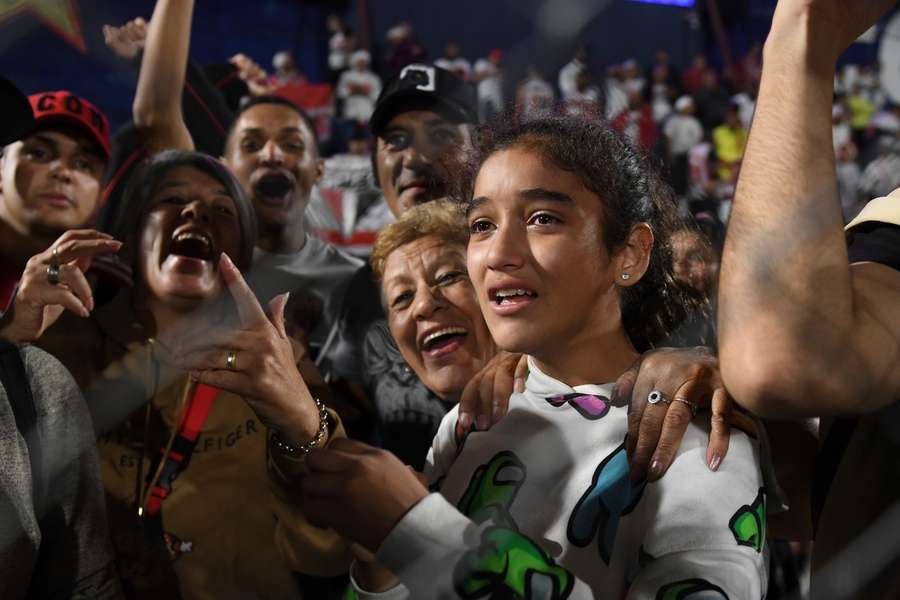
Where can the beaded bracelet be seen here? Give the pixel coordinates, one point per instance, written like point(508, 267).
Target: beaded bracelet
point(305, 448)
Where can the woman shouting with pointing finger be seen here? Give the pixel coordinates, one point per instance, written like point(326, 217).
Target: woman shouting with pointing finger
point(184, 462)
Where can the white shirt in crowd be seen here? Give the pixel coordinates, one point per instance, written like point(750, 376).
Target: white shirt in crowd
point(490, 97)
point(458, 65)
point(567, 78)
point(583, 104)
point(660, 105)
point(536, 98)
point(886, 121)
point(683, 132)
point(634, 86)
point(841, 134)
point(338, 52)
point(871, 88)
point(632, 127)
point(359, 106)
point(746, 108)
point(881, 177)
point(489, 89)
point(698, 164)
point(543, 503)
point(616, 99)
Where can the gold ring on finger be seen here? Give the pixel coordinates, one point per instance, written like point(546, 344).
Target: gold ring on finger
point(231, 360)
point(692, 405)
point(54, 256)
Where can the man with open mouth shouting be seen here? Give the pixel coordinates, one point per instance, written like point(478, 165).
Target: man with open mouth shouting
point(272, 150)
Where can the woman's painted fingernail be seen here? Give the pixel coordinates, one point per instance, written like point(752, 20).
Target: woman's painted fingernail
point(656, 470)
point(497, 413)
point(465, 421)
point(483, 422)
point(714, 462)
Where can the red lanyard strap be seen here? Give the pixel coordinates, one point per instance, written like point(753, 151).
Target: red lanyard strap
point(179, 454)
point(198, 409)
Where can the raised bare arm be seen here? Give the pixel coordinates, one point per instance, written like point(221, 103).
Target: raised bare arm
point(157, 102)
point(801, 331)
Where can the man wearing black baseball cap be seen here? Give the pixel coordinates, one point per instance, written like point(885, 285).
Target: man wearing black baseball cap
point(54, 541)
point(422, 125)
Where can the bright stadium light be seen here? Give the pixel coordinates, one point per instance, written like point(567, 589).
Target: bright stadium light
point(685, 3)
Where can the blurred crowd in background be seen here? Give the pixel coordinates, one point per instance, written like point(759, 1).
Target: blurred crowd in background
point(692, 118)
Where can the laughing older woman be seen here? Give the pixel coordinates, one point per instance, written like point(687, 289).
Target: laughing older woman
point(432, 311)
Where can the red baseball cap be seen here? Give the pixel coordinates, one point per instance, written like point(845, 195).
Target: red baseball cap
point(66, 107)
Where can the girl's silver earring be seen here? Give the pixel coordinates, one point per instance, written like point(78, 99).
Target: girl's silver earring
point(626, 276)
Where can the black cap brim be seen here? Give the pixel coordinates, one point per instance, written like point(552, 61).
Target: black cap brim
point(17, 116)
point(425, 87)
point(409, 100)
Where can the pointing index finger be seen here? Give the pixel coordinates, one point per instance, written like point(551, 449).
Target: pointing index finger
point(249, 311)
